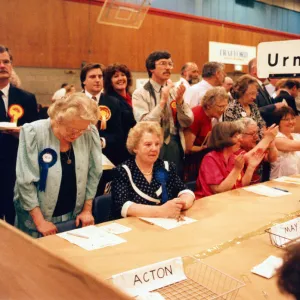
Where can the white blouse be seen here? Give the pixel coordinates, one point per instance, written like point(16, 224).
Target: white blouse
point(287, 163)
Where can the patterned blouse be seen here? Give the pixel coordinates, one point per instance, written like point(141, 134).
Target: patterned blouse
point(130, 185)
point(235, 111)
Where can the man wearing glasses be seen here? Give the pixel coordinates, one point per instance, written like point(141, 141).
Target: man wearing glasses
point(19, 107)
point(158, 101)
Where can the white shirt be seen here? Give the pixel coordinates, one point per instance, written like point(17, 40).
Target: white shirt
point(91, 96)
point(59, 94)
point(270, 89)
point(5, 91)
point(287, 163)
point(195, 93)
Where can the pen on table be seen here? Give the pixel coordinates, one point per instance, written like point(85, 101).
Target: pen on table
point(279, 189)
point(78, 235)
point(146, 221)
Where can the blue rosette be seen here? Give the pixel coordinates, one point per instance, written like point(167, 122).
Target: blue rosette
point(161, 175)
point(47, 158)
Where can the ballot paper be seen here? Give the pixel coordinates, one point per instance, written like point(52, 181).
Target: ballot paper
point(115, 228)
point(7, 125)
point(91, 238)
point(264, 190)
point(286, 179)
point(168, 223)
point(150, 296)
point(268, 267)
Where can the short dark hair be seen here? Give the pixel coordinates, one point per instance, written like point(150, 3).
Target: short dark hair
point(290, 83)
point(109, 73)
point(241, 85)
point(289, 273)
point(211, 68)
point(153, 57)
point(222, 133)
point(283, 112)
point(63, 85)
point(5, 49)
point(87, 68)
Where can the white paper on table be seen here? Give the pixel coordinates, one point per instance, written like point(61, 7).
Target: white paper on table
point(168, 223)
point(286, 179)
point(7, 125)
point(150, 296)
point(97, 238)
point(268, 267)
point(285, 232)
point(151, 277)
point(264, 190)
point(115, 228)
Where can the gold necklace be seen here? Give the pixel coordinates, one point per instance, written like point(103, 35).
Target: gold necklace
point(69, 160)
point(143, 172)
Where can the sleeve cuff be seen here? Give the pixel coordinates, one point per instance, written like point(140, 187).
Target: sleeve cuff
point(125, 207)
point(103, 142)
point(186, 192)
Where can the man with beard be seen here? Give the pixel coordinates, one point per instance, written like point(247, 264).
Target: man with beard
point(158, 101)
point(16, 106)
point(189, 75)
point(213, 74)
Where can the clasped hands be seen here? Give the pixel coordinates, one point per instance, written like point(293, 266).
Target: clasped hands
point(174, 209)
point(165, 91)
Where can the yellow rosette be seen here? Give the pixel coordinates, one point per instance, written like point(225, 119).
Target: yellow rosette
point(105, 115)
point(15, 112)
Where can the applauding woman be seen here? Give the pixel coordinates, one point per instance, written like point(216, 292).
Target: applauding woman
point(146, 186)
point(58, 167)
point(221, 169)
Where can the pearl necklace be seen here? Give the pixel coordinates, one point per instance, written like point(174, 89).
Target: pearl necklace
point(143, 172)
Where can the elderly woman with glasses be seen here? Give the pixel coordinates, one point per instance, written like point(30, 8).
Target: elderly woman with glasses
point(245, 92)
point(287, 143)
point(213, 105)
point(58, 167)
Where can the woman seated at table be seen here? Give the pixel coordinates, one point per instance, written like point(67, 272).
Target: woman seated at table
point(288, 144)
point(249, 143)
point(58, 167)
point(221, 169)
point(146, 186)
point(245, 92)
point(213, 105)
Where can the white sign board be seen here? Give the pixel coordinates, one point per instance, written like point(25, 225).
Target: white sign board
point(278, 59)
point(231, 53)
point(146, 279)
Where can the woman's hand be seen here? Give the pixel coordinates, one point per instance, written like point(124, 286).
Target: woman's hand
point(239, 162)
point(86, 218)
point(172, 208)
point(255, 158)
point(46, 228)
point(271, 132)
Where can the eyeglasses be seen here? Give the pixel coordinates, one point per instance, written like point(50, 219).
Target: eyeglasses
point(165, 64)
point(289, 119)
point(221, 107)
point(254, 133)
point(5, 62)
point(74, 131)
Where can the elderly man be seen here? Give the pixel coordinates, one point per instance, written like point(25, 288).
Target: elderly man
point(158, 101)
point(213, 74)
point(19, 107)
point(189, 75)
point(227, 85)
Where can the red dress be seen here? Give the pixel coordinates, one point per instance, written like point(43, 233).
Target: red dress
point(213, 171)
point(200, 128)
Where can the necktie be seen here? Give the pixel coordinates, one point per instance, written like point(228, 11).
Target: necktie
point(94, 98)
point(3, 116)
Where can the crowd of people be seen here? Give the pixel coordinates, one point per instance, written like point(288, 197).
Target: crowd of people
point(221, 133)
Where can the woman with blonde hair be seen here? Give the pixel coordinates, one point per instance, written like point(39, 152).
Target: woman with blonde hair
point(146, 186)
point(58, 167)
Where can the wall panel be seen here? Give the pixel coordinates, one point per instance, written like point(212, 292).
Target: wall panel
point(62, 34)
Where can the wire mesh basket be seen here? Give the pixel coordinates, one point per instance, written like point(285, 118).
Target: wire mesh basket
point(280, 241)
point(204, 282)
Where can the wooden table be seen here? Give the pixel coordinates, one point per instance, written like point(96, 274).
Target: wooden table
point(221, 218)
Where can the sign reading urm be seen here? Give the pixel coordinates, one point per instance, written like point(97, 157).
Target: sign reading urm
point(278, 59)
point(231, 53)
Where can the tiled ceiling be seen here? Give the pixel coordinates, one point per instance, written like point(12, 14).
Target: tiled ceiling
point(288, 4)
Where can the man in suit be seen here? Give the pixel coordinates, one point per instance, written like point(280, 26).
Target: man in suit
point(18, 106)
point(110, 129)
point(265, 103)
